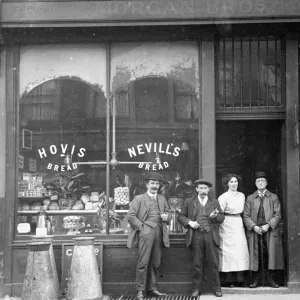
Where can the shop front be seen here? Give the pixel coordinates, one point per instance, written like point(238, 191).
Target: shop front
point(89, 111)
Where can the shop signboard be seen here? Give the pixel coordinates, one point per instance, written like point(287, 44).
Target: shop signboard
point(67, 253)
point(133, 10)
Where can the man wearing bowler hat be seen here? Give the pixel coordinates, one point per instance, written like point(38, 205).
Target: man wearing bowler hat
point(148, 216)
point(201, 215)
point(262, 214)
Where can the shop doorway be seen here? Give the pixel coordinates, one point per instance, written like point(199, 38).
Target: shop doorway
point(243, 147)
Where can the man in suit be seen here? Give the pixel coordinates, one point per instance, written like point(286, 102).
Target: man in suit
point(262, 214)
point(148, 216)
point(201, 216)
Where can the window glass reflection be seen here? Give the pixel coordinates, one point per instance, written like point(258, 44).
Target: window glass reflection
point(62, 124)
point(162, 136)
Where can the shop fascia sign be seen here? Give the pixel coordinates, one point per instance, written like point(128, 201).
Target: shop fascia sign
point(63, 151)
point(155, 148)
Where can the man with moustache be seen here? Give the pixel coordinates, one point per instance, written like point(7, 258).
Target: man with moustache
point(148, 216)
point(262, 214)
point(202, 215)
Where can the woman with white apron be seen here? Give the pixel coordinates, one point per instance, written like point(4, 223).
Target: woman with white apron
point(234, 253)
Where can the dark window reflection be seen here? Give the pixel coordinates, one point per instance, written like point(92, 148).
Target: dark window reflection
point(249, 73)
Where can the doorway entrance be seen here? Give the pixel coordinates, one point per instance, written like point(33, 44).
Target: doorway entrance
point(243, 147)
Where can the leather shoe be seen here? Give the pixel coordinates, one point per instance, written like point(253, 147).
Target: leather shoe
point(195, 294)
point(273, 284)
point(156, 293)
point(254, 284)
point(218, 294)
point(139, 295)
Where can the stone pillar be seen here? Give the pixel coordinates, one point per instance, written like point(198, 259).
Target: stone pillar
point(291, 202)
point(2, 160)
point(207, 126)
point(11, 74)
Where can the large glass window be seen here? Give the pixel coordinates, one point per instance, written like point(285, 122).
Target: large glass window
point(161, 136)
point(62, 124)
point(63, 133)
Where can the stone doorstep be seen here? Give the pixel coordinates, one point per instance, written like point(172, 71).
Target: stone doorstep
point(259, 290)
point(226, 291)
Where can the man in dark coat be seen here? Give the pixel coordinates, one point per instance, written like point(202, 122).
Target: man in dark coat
point(262, 215)
point(148, 216)
point(201, 215)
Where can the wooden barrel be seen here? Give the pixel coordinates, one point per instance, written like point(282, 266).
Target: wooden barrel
point(39, 281)
point(84, 281)
point(49, 239)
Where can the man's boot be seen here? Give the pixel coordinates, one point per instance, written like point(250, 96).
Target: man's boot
point(271, 281)
point(139, 295)
point(255, 282)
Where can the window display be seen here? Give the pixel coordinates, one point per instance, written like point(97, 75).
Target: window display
point(66, 119)
point(64, 170)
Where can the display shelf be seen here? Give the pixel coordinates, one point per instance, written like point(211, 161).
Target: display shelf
point(58, 212)
point(32, 198)
point(65, 212)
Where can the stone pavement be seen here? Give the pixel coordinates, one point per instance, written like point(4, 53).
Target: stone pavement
point(262, 296)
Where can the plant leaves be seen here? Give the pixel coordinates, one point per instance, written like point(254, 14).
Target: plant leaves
point(70, 184)
point(77, 175)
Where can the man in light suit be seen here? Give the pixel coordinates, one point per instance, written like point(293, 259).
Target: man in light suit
point(148, 216)
point(201, 215)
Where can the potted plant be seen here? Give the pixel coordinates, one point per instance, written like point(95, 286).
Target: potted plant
point(66, 190)
point(113, 218)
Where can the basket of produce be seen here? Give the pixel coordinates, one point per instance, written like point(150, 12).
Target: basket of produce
point(73, 224)
point(121, 197)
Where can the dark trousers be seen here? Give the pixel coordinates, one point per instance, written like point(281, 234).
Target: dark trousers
point(150, 249)
point(205, 250)
point(263, 259)
point(232, 277)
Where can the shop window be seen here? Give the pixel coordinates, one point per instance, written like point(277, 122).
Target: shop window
point(249, 71)
point(62, 133)
point(157, 140)
point(61, 125)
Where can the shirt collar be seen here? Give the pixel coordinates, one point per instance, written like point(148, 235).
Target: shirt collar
point(204, 200)
point(152, 195)
point(264, 193)
point(235, 193)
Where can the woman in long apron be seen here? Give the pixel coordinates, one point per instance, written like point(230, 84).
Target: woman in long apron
point(234, 253)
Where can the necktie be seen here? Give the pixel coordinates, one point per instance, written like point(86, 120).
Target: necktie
point(261, 219)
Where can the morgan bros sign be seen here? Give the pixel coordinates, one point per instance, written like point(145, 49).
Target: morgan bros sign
point(64, 151)
point(156, 148)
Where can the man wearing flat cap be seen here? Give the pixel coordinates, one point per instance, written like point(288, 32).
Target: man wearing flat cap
point(262, 214)
point(202, 215)
point(148, 216)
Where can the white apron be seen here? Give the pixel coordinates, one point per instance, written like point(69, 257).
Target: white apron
point(234, 253)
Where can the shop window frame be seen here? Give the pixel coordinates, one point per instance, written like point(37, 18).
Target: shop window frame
point(56, 124)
